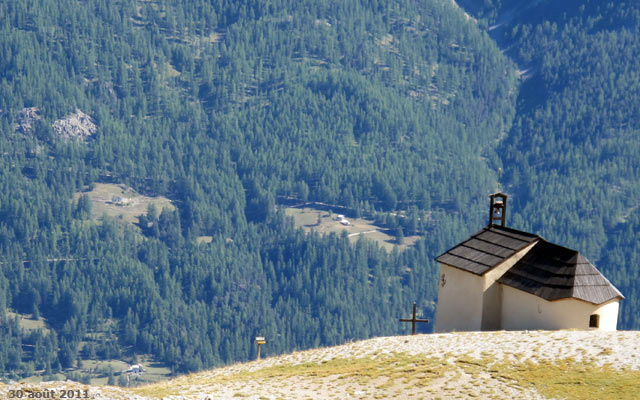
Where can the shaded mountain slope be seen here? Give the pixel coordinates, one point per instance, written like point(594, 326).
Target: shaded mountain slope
point(571, 158)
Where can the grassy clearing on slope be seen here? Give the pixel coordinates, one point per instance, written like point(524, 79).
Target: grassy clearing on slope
point(325, 222)
point(28, 323)
point(121, 202)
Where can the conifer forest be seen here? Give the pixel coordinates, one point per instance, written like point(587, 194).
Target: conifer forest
point(407, 113)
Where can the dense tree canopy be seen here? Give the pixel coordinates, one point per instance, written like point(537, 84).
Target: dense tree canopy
point(225, 107)
point(402, 110)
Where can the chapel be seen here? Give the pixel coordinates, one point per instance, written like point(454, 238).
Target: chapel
point(505, 279)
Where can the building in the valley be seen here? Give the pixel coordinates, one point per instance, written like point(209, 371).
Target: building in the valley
point(502, 278)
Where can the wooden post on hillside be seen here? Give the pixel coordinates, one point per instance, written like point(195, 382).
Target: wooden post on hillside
point(413, 320)
point(260, 340)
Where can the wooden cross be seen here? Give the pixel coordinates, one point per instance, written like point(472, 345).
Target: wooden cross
point(413, 320)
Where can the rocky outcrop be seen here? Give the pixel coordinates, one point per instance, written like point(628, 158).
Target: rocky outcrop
point(27, 119)
point(77, 126)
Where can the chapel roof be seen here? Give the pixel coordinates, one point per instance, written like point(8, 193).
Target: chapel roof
point(486, 249)
point(547, 270)
point(554, 272)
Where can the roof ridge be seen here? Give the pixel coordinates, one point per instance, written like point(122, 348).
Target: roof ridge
point(510, 229)
point(574, 268)
point(510, 232)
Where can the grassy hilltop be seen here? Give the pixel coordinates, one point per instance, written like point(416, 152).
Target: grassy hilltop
point(536, 364)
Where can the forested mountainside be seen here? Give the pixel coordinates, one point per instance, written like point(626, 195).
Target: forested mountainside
point(572, 157)
point(222, 107)
point(407, 110)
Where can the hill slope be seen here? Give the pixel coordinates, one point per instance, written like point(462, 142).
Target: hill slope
point(536, 364)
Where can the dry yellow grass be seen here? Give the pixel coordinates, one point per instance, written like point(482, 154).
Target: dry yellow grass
point(572, 380)
point(27, 322)
point(374, 375)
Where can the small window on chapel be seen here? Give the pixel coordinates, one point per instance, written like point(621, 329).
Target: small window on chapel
point(594, 321)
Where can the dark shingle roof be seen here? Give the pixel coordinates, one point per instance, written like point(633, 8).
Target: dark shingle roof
point(486, 249)
point(547, 270)
point(554, 272)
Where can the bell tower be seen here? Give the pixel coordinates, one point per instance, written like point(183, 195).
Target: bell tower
point(498, 210)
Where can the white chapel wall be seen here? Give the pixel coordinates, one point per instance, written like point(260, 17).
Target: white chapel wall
point(459, 301)
point(492, 297)
point(522, 310)
point(608, 315)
